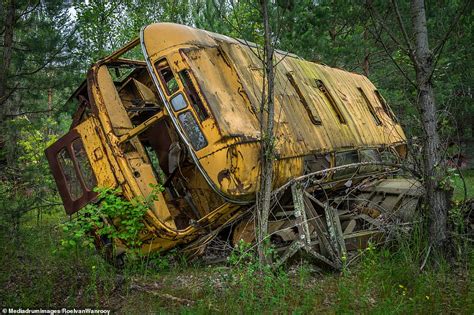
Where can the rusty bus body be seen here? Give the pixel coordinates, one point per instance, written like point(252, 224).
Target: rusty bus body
point(187, 117)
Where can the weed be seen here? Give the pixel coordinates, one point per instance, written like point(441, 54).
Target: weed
point(112, 218)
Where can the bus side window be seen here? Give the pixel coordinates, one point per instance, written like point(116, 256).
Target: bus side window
point(346, 158)
point(193, 96)
point(85, 167)
point(166, 76)
point(192, 130)
point(369, 156)
point(69, 172)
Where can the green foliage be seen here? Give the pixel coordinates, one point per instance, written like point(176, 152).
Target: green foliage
point(105, 26)
point(467, 179)
point(391, 282)
point(240, 19)
point(447, 182)
point(34, 273)
point(385, 281)
point(55, 42)
point(41, 59)
point(25, 182)
point(242, 254)
point(111, 218)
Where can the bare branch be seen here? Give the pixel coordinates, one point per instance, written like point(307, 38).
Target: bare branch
point(27, 11)
point(379, 39)
point(376, 18)
point(455, 21)
point(439, 48)
point(402, 27)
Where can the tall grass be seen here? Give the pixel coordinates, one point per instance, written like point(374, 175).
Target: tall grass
point(36, 272)
point(468, 178)
point(386, 281)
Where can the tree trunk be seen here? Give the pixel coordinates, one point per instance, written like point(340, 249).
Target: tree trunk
point(267, 141)
point(366, 62)
point(434, 165)
point(7, 54)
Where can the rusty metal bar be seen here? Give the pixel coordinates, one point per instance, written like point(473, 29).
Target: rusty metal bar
point(291, 250)
point(300, 213)
point(334, 226)
point(321, 231)
point(141, 128)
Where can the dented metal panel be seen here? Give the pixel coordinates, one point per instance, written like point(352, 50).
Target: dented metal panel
point(187, 118)
point(229, 75)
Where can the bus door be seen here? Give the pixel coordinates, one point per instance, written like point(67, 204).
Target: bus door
point(79, 163)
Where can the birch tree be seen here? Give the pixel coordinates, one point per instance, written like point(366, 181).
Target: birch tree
point(267, 113)
point(412, 39)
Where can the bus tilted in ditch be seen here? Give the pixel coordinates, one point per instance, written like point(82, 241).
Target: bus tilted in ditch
point(178, 107)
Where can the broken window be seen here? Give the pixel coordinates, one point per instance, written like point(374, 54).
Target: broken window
point(178, 102)
point(84, 164)
point(388, 156)
point(316, 163)
point(69, 172)
point(167, 76)
point(312, 113)
point(329, 99)
point(346, 158)
point(192, 130)
point(385, 106)
point(120, 71)
point(193, 96)
point(372, 156)
point(370, 107)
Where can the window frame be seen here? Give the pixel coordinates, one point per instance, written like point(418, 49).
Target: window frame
point(342, 174)
point(79, 168)
point(184, 99)
point(199, 108)
point(312, 113)
point(60, 160)
point(321, 86)
point(71, 206)
point(162, 79)
point(386, 108)
point(181, 113)
point(371, 108)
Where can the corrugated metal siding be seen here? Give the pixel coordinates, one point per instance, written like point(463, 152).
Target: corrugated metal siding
point(230, 76)
point(296, 133)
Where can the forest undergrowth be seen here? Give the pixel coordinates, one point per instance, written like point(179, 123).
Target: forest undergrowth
point(37, 272)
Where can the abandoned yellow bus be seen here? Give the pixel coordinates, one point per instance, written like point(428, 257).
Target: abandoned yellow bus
point(185, 115)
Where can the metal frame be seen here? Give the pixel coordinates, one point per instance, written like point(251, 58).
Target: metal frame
point(178, 126)
point(71, 206)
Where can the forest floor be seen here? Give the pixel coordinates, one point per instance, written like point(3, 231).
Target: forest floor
point(35, 272)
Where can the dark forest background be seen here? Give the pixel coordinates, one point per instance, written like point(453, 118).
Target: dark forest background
point(47, 47)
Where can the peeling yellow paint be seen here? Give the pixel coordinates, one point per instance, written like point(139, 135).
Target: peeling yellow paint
point(216, 83)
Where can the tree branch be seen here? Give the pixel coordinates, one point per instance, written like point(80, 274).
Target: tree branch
point(7, 96)
point(376, 18)
point(402, 27)
point(455, 21)
point(379, 39)
point(48, 61)
point(439, 48)
point(26, 11)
